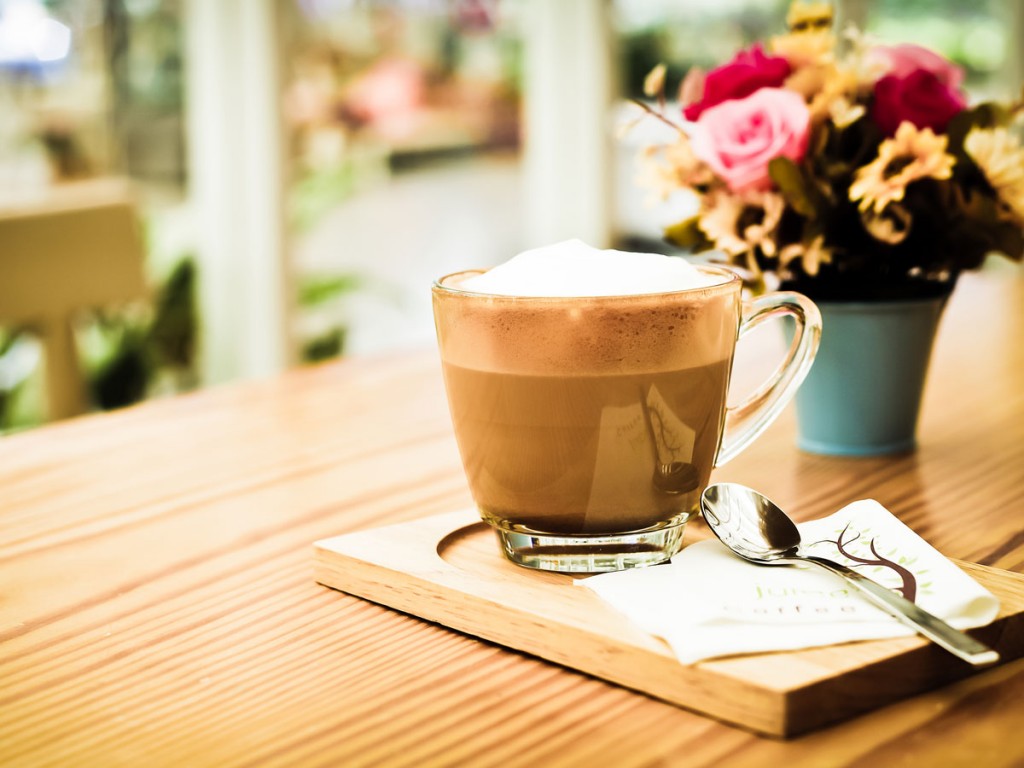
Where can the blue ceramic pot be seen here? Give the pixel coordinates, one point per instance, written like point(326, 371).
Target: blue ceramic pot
point(863, 393)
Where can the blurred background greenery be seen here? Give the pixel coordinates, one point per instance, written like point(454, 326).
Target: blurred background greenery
point(404, 134)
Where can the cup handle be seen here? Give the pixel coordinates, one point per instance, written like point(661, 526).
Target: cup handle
point(744, 422)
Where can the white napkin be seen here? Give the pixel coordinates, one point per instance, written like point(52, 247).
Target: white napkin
point(708, 602)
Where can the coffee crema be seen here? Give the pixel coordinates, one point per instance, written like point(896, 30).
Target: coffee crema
point(573, 269)
point(588, 335)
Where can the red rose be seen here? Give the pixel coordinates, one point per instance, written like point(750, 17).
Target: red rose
point(920, 98)
point(748, 72)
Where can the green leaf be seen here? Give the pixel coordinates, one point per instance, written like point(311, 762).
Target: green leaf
point(981, 208)
point(1010, 241)
point(318, 192)
point(320, 290)
point(172, 334)
point(837, 169)
point(326, 346)
point(987, 115)
point(686, 234)
point(983, 230)
point(794, 187)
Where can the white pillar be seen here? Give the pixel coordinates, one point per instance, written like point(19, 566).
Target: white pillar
point(236, 185)
point(568, 92)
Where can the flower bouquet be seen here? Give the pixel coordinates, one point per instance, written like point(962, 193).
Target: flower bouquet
point(856, 176)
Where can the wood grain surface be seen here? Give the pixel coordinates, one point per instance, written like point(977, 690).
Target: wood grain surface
point(158, 605)
point(449, 568)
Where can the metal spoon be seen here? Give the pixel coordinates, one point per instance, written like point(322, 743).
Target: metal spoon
point(757, 530)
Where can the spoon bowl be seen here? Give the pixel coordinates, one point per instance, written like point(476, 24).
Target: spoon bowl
point(749, 523)
point(756, 529)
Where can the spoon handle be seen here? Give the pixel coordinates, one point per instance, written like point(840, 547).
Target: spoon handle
point(932, 627)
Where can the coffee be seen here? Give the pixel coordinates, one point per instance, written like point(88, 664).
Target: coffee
point(572, 454)
point(588, 394)
point(588, 415)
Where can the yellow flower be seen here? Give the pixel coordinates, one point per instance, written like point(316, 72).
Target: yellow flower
point(910, 155)
point(738, 224)
point(810, 41)
point(808, 15)
point(803, 48)
point(812, 255)
point(1001, 159)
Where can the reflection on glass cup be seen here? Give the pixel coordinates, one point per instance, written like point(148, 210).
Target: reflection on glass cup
point(588, 427)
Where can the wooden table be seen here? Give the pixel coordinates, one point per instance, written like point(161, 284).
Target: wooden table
point(157, 605)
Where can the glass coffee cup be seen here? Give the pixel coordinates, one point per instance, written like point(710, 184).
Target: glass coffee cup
point(588, 426)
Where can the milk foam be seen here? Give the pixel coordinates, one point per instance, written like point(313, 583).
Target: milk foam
point(573, 268)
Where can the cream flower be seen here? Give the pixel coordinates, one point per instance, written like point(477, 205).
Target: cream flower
point(910, 155)
point(812, 255)
point(844, 112)
point(1001, 159)
point(739, 224)
point(829, 91)
point(691, 89)
point(666, 169)
point(864, 67)
point(890, 226)
point(654, 83)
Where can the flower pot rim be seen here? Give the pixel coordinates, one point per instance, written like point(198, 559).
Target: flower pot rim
point(867, 306)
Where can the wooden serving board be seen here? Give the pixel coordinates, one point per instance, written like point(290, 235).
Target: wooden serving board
point(448, 569)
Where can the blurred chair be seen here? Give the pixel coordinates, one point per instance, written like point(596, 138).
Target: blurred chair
point(79, 248)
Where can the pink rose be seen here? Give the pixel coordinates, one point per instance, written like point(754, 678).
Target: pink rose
point(919, 98)
point(903, 60)
point(749, 71)
point(738, 138)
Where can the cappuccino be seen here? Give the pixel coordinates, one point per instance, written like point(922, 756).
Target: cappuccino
point(588, 395)
point(589, 414)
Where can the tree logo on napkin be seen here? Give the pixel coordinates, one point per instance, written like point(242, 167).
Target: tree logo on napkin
point(744, 608)
point(908, 586)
